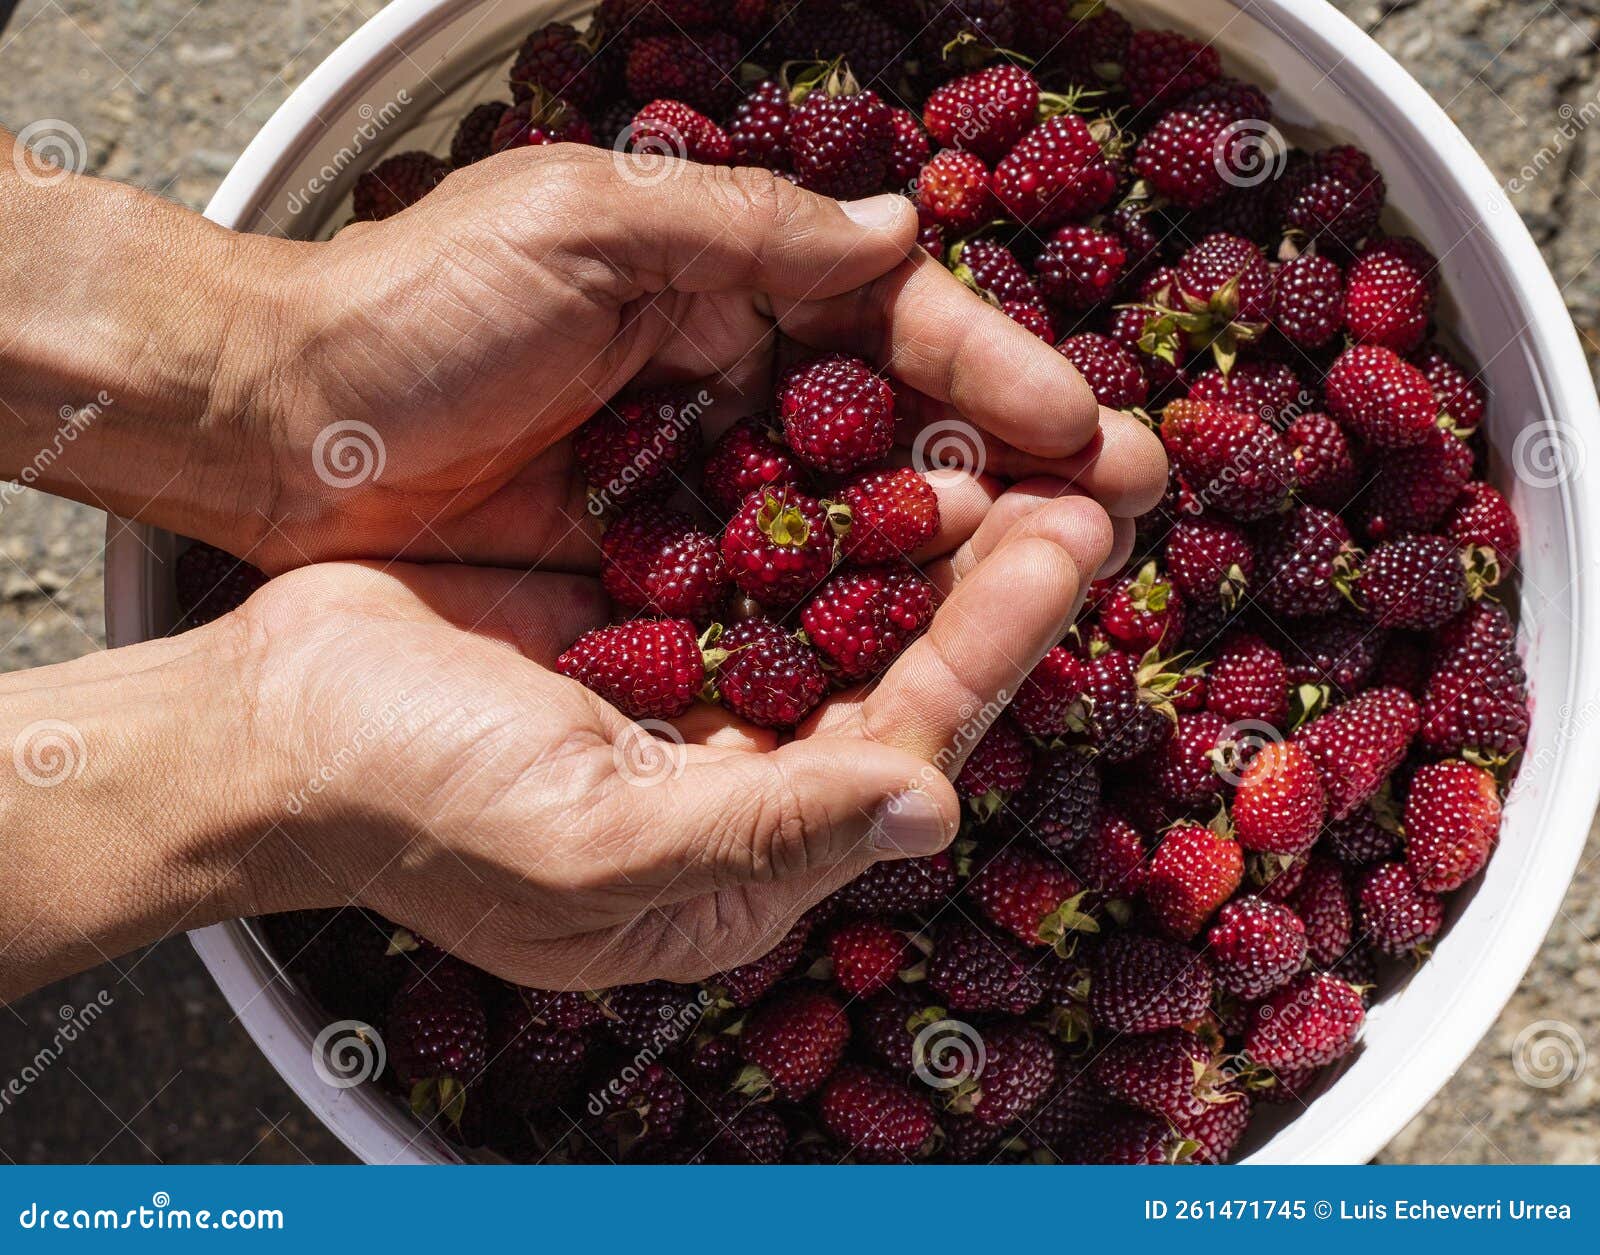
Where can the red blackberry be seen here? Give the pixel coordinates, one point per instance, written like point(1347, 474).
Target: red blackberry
point(701, 70)
point(1324, 464)
point(748, 457)
point(1308, 300)
point(1310, 1022)
point(655, 1016)
point(1017, 1073)
point(1169, 1074)
point(655, 561)
point(1056, 171)
point(1027, 894)
point(769, 676)
point(1141, 984)
point(1122, 722)
point(1415, 582)
point(1112, 373)
point(637, 448)
point(1357, 745)
point(758, 129)
point(1413, 487)
point(841, 140)
point(1209, 560)
point(1139, 612)
point(1302, 560)
point(1080, 266)
point(672, 128)
point(1126, 1138)
point(648, 669)
point(1254, 946)
point(992, 269)
point(437, 1036)
point(1396, 917)
point(876, 1119)
point(778, 546)
point(474, 137)
point(1480, 515)
point(997, 766)
point(1387, 302)
point(956, 190)
point(1183, 769)
point(1248, 682)
point(1452, 819)
point(1050, 701)
point(1321, 901)
point(394, 184)
point(863, 618)
point(1477, 697)
point(867, 956)
point(1161, 66)
point(1035, 316)
point(893, 513)
point(972, 970)
point(1112, 858)
point(1235, 461)
point(792, 1042)
point(1187, 157)
point(838, 413)
point(984, 113)
point(1333, 198)
point(1228, 277)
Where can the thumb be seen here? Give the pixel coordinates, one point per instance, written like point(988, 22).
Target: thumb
point(698, 228)
point(813, 804)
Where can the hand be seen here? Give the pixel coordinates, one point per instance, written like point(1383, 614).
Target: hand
point(475, 331)
point(524, 824)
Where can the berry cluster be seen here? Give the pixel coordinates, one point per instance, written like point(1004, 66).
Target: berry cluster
point(1242, 785)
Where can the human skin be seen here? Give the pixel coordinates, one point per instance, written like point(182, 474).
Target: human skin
point(488, 801)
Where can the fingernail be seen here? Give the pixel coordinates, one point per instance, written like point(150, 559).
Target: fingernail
point(909, 823)
point(875, 212)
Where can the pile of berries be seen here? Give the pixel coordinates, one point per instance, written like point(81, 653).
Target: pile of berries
point(1215, 816)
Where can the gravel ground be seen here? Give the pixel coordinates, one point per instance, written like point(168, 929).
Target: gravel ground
point(167, 93)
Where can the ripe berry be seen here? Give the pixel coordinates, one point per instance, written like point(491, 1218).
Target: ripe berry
point(1216, 1131)
point(748, 457)
point(1193, 871)
point(1333, 198)
point(956, 190)
point(1141, 984)
point(973, 970)
point(1141, 611)
point(1268, 389)
point(1161, 66)
point(1017, 1072)
point(837, 412)
point(993, 270)
point(532, 1066)
point(1122, 723)
point(1169, 1074)
point(672, 128)
point(1279, 805)
point(875, 1118)
point(758, 130)
point(1049, 702)
point(1477, 697)
point(998, 765)
point(1380, 397)
point(1235, 461)
point(1480, 515)
point(909, 152)
point(862, 618)
point(1209, 560)
point(700, 70)
point(1360, 838)
point(1033, 315)
point(1061, 804)
point(1324, 464)
point(1185, 155)
point(394, 184)
point(893, 513)
point(655, 561)
point(1255, 946)
point(474, 137)
point(1321, 902)
point(1183, 769)
point(1027, 894)
point(1456, 390)
point(1310, 1022)
point(899, 887)
point(778, 546)
point(1056, 172)
point(1079, 266)
point(437, 1036)
point(1394, 914)
point(1112, 858)
point(867, 956)
point(1357, 745)
point(1415, 582)
point(647, 668)
point(984, 113)
point(1228, 277)
point(793, 1041)
point(1387, 302)
point(1339, 652)
point(1112, 373)
point(749, 983)
point(1248, 682)
point(1452, 820)
point(768, 677)
point(841, 141)
point(1309, 300)
point(556, 59)
point(1301, 562)
point(637, 448)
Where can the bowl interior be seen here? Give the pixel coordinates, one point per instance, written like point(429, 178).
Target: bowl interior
point(404, 80)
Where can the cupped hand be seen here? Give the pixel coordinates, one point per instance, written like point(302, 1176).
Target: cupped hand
point(426, 761)
point(458, 344)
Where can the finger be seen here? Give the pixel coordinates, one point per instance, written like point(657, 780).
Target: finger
point(946, 689)
point(700, 228)
point(936, 336)
point(1125, 470)
point(754, 819)
point(719, 728)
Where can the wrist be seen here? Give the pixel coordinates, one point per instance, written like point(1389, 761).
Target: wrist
point(140, 805)
point(143, 369)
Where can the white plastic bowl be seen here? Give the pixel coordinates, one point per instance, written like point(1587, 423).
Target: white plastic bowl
point(433, 58)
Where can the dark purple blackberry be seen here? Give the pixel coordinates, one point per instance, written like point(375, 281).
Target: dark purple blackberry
point(1060, 804)
point(474, 137)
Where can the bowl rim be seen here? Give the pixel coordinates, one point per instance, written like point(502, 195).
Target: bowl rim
point(240, 969)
